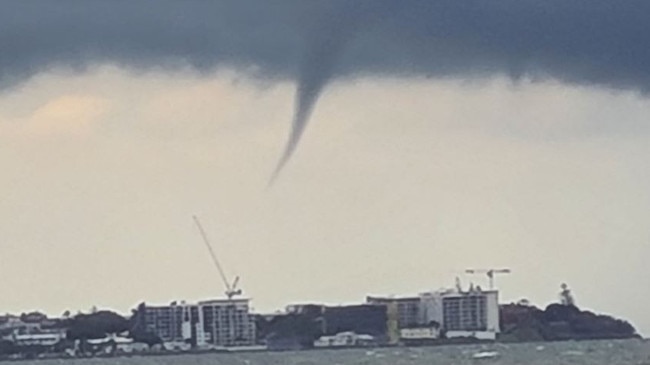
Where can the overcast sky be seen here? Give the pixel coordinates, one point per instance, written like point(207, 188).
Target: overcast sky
point(442, 136)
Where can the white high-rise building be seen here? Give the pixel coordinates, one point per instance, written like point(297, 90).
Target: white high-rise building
point(473, 313)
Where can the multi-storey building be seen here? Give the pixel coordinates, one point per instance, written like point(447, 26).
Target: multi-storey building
point(408, 309)
point(216, 323)
point(465, 313)
point(472, 313)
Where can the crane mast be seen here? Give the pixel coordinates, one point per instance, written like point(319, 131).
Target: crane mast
point(231, 289)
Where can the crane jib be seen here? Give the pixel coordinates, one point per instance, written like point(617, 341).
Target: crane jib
point(231, 289)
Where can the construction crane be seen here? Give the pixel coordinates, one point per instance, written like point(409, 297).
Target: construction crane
point(489, 272)
point(231, 289)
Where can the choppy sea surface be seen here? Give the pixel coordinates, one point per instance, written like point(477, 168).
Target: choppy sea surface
point(574, 353)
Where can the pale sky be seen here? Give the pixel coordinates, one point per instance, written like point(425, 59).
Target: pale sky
point(422, 157)
point(399, 185)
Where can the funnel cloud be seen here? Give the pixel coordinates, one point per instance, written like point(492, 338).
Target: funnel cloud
point(594, 43)
point(323, 46)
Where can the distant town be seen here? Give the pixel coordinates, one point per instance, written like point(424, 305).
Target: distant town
point(448, 316)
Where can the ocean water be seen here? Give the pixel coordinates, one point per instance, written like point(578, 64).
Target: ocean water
point(574, 353)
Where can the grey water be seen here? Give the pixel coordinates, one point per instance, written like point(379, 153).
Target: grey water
point(558, 353)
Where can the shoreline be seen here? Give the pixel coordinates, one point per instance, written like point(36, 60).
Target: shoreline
point(198, 352)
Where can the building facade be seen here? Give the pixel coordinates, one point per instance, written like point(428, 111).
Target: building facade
point(214, 323)
point(465, 313)
point(408, 309)
point(472, 313)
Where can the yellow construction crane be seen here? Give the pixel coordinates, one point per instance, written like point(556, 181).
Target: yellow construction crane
point(489, 272)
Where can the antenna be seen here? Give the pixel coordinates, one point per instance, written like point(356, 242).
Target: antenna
point(231, 289)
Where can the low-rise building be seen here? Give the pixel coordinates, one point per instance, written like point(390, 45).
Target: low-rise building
point(346, 339)
point(420, 333)
point(10, 324)
point(40, 339)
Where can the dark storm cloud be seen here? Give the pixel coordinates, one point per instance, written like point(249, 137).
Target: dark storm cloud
point(591, 42)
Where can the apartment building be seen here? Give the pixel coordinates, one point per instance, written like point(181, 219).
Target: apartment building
point(213, 323)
